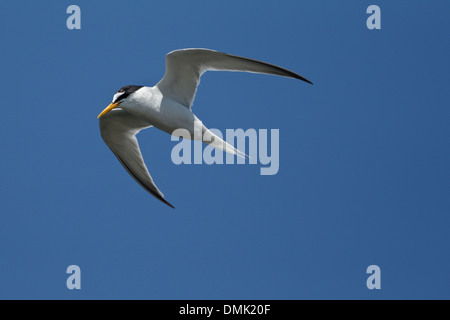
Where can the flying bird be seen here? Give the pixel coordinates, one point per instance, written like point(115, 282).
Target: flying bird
point(168, 106)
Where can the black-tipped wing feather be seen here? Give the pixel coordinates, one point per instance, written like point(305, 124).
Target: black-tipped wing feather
point(185, 67)
point(118, 129)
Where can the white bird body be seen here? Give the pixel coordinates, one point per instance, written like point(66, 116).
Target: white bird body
point(149, 104)
point(167, 106)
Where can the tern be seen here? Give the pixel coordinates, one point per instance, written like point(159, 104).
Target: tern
point(168, 106)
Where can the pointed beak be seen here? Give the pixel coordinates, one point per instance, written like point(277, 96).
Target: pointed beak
point(108, 109)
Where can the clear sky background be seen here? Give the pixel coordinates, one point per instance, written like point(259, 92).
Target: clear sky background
point(364, 153)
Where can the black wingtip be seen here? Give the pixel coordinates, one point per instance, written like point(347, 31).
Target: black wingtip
point(304, 79)
point(160, 198)
point(142, 184)
point(167, 202)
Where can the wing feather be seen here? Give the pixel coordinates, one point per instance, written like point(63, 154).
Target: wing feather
point(185, 67)
point(118, 129)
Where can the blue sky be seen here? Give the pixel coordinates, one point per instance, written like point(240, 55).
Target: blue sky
point(364, 153)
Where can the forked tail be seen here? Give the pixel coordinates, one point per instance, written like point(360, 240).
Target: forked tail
point(212, 139)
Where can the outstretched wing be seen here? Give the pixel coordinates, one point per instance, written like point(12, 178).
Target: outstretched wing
point(118, 129)
point(184, 68)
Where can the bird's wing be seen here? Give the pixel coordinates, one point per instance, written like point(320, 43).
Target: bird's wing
point(184, 68)
point(118, 129)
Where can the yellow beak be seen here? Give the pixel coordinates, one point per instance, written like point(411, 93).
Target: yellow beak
point(108, 109)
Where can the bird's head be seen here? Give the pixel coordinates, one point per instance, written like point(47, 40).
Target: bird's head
point(120, 98)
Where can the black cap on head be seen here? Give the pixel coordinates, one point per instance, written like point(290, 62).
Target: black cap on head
point(126, 91)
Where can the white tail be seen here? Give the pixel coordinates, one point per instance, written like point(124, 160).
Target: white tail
point(212, 139)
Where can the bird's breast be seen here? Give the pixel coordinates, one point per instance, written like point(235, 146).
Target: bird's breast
point(164, 113)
